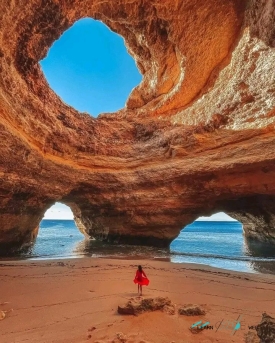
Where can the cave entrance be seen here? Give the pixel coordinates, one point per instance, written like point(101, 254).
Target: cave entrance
point(217, 241)
point(90, 69)
point(58, 235)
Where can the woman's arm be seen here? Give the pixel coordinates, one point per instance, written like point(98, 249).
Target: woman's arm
point(144, 274)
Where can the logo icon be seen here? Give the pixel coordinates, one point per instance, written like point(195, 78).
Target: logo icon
point(200, 325)
point(229, 325)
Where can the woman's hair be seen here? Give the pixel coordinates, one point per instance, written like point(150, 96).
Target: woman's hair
point(140, 268)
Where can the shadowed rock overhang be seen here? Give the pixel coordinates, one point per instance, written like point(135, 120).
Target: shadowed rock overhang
point(196, 136)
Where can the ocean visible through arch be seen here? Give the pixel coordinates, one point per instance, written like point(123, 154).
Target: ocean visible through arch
point(217, 244)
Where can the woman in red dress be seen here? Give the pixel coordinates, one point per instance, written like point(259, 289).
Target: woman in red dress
point(141, 279)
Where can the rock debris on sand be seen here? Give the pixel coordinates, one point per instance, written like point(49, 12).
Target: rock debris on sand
point(191, 310)
point(137, 306)
point(2, 315)
point(266, 329)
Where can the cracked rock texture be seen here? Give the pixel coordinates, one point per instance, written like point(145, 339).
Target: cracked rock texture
point(266, 329)
point(191, 310)
point(136, 306)
point(196, 136)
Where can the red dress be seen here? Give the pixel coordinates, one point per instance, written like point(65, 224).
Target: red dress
point(143, 281)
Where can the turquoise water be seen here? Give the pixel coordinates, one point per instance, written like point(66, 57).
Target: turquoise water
point(222, 245)
point(217, 244)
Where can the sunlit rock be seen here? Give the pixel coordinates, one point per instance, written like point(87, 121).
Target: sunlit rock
point(195, 138)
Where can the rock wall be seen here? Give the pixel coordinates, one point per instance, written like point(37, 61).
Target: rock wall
point(196, 136)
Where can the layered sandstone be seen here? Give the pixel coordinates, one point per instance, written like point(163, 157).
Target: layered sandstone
point(196, 136)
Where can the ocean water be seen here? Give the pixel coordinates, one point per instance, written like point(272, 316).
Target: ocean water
point(217, 244)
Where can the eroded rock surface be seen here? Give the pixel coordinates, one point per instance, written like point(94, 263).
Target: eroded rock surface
point(251, 337)
point(266, 329)
point(191, 310)
point(137, 306)
point(196, 136)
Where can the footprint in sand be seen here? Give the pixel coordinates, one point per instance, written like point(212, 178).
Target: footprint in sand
point(92, 328)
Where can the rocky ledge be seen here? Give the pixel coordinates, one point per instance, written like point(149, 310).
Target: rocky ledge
point(196, 136)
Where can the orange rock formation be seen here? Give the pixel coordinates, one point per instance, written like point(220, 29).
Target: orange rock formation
point(196, 136)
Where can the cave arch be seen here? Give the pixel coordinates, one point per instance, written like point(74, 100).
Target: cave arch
point(57, 235)
point(216, 240)
point(215, 222)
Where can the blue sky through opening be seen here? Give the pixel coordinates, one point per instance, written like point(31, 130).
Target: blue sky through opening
point(90, 69)
point(61, 211)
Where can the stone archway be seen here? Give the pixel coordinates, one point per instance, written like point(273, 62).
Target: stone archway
point(196, 135)
point(215, 240)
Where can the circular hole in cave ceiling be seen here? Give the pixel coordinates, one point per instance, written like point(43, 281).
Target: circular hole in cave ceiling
point(90, 69)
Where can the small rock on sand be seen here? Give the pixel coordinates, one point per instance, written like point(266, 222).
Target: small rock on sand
point(195, 330)
point(252, 337)
point(137, 306)
point(2, 315)
point(191, 310)
point(266, 329)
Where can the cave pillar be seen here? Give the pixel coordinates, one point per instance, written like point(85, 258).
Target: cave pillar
point(18, 231)
point(258, 224)
point(109, 223)
point(20, 217)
